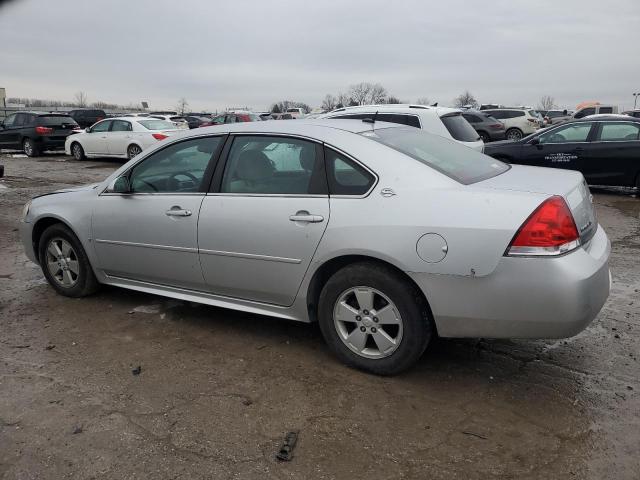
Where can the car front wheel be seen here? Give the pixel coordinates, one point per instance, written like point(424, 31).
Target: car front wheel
point(514, 134)
point(77, 151)
point(374, 319)
point(65, 263)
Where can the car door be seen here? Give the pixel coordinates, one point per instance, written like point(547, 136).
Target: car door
point(614, 157)
point(9, 136)
point(95, 142)
point(565, 146)
point(262, 222)
point(149, 233)
point(119, 137)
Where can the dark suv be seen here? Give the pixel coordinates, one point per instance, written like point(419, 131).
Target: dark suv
point(85, 117)
point(488, 128)
point(35, 132)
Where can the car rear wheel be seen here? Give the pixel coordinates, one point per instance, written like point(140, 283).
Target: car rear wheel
point(373, 319)
point(64, 262)
point(514, 134)
point(77, 151)
point(30, 148)
point(133, 150)
point(484, 136)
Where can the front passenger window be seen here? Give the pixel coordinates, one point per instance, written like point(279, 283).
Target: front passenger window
point(178, 168)
point(578, 132)
point(101, 127)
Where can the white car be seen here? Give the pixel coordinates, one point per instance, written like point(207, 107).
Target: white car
point(120, 137)
point(177, 121)
point(296, 112)
point(518, 122)
point(445, 122)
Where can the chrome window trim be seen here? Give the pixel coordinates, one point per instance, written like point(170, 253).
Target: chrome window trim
point(133, 194)
point(286, 195)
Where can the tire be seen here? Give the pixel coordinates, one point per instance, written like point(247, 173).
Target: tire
point(77, 151)
point(133, 150)
point(514, 134)
point(56, 258)
point(484, 137)
point(407, 320)
point(30, 148)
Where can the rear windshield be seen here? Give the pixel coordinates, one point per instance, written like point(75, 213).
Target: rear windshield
point(156, 124)
point(459, 128)
point(461, 163)
point(55, 120)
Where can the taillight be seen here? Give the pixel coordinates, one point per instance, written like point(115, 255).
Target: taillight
point(159, 136)
point(44, 130)
point(549, 230)
point(99, 118)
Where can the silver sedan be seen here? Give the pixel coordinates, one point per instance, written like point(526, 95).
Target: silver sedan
point(385, 235)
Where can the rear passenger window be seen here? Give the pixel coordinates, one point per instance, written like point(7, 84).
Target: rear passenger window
point(121, 126)
point(619, 132)
point(345, 176)
point(273, 166)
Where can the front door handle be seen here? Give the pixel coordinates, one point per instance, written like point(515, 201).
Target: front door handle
point(176, 211)
point(304, 216)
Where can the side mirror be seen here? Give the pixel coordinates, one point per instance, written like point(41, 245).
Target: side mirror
point(119, 185)
point(535, 141)
point(88, 129)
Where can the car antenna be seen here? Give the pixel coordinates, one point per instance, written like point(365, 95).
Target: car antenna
point(372, 121)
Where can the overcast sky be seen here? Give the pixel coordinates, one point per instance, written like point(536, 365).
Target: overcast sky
point(255, 52)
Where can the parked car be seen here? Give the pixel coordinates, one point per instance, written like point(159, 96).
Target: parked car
point(86, 117)
point(554, 117)
point(296, 112)
point(164, 112)
point(176, 120)
point(632, 113)
point(35, 132)
point(386, 235)
point(606, 149)
point(233, 117)
point(489, 129)
point(196, 121)
point(122, 137)
point(517, 121)
point(594, 110)
point(446, 122)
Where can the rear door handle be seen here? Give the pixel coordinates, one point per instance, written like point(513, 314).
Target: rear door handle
point(178, 212)
point(304, 216)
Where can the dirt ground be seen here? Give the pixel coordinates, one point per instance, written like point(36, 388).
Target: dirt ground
point(218, 390)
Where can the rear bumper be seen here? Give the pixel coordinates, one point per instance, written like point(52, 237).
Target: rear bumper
point(48, 143)
point(523, 297)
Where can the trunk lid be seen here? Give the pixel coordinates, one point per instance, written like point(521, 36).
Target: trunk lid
point(570, 184)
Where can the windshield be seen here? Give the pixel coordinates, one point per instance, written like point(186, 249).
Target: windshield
point(461, 163)
point(156, 124)
point(459, 128)
point(55, 120)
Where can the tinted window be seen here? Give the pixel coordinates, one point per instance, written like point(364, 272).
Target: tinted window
point(606, 110)
point(500, 114)
point(55, 120)
point(20, 118)
point(10, 120)
point(230, 119)
point(353, 116)
point(273, 165)
point(472, 118)
point(459, 128)
point(585, 112)
point(618, 132)
point(157, 125)
point(345, 176)
point(177, 168)
point(454, 160)
point(121, 126)
point(101, 127)
point(577, 132)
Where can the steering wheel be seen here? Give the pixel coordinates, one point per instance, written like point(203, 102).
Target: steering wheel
point(174, 182)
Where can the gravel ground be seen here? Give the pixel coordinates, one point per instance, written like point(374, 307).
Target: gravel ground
point(218, 390)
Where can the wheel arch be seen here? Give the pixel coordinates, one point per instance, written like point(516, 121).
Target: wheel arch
point(331, 266)
point(40, 226)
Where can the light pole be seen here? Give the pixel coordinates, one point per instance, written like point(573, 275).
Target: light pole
point(635, 100)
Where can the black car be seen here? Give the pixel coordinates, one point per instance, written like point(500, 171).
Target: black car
point(606, 149)
point(35, 132)
point(196, 121)
point(86, 117)
point(489, 129)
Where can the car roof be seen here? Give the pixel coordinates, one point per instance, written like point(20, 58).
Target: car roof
point(397, 107)
point(610, 116)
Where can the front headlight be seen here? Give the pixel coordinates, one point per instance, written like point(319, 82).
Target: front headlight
point(25, 210)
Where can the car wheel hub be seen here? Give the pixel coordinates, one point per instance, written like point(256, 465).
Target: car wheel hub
point(62, 262)
point(368, 322)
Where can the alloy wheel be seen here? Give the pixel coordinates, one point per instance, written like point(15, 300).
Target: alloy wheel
point(77, 151)
point(134, 150)
point(368, 322)
point(62, 262)
point(28, 148)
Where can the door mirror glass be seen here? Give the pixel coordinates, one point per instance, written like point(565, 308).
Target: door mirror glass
point(535, 141)
point(88, 130)
point(119, 185)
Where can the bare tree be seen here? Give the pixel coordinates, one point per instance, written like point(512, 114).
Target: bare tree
point(284, 105)
point(377, 94)
point(182, 105)
point(329, 103)
point(81, 99)
point(360, 93)
point(465, 99)
point(343, 100)
point(393, 100)
point(547, 102)
point(423, 101)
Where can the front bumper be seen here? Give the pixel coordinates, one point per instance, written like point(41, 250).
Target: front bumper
point(26, 236)
point(525, 297)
